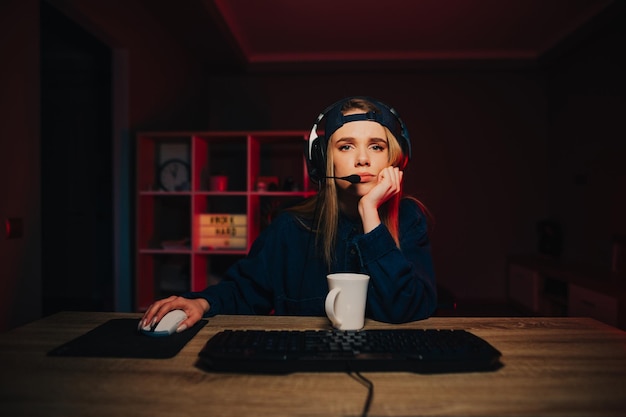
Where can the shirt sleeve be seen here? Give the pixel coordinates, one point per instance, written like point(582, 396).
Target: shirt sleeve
point(246, 287)
point(402, 280)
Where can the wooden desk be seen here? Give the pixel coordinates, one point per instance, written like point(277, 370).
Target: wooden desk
point(552, 367)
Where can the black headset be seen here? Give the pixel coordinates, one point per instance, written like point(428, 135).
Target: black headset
point(315, 152)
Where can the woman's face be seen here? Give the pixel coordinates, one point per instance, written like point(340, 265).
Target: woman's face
point(361, 148)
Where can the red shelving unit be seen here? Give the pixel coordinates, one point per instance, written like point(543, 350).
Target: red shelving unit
point(169, 257)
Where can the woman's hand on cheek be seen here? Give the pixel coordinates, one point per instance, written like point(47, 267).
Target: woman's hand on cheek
point(389, 184)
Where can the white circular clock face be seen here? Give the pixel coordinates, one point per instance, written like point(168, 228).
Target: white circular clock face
point(174, 176)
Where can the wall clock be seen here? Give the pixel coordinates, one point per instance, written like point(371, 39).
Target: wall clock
point(174, 175)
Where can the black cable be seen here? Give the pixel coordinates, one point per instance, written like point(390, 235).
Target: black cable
point(370, 390)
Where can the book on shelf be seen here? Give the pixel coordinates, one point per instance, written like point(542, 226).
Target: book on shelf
point(217, 242)
point(233, 231)
point(219, 219)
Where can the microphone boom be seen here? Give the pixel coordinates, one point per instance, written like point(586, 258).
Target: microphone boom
point(354, 178)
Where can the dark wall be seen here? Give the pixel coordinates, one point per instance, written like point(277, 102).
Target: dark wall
point(587, 102)
point(76, 167)
point(496, 151)
point(20, 258)
point(479, 143)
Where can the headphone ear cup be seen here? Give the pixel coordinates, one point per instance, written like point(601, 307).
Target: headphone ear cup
point(317, 164)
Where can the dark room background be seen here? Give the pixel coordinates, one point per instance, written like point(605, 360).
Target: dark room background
point(76, 166)
point(497, 149)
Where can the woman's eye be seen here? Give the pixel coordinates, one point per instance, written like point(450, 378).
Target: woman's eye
point(378, 147)
point(344, 147)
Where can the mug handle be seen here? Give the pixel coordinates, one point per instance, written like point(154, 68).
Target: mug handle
point(330, 306)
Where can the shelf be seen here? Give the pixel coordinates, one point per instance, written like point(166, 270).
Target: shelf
point(254, 174)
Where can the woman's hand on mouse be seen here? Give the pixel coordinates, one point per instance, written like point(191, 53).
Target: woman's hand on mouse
point(194, 308)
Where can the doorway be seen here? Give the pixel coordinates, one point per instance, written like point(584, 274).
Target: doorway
point(76, 167)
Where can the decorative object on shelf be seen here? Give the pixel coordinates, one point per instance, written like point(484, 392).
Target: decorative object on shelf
point(174, 175)
point(290, 185)
point(218, 182)
point(267, 184)
point(222, 231)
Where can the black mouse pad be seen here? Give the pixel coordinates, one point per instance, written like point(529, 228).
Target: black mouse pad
point(119, 338)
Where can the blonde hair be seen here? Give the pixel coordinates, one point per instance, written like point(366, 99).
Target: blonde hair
point(324, 224)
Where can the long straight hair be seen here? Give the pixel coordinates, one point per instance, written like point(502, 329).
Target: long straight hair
point(322, 210)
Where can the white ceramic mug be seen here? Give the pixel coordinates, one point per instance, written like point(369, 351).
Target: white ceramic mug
point(345, 302)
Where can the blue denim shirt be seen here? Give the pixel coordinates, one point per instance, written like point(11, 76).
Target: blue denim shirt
point(283, 273)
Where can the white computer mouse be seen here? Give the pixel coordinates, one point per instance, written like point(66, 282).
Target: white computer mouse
point(168, 324)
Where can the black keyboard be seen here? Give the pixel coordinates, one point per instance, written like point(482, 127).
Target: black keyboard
point(389, 350)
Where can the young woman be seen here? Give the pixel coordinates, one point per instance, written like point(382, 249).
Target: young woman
point(358, 222)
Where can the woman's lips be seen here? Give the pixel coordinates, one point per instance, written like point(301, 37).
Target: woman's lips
point(366, 176)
